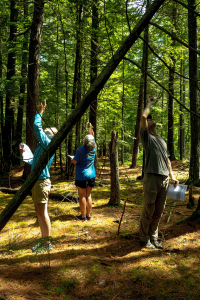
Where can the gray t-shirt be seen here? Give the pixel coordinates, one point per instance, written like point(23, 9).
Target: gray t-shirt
point(156, 153)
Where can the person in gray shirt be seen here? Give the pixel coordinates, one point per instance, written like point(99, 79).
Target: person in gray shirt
point(157, 171)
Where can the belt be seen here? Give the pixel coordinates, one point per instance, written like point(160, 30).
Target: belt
point(157, 174)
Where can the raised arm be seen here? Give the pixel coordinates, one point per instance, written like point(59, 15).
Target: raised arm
point(90, 128)
point(145, 113)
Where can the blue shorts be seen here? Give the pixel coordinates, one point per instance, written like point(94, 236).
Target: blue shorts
point(85, 183)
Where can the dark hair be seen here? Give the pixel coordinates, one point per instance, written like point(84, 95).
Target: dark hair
point(149, 117)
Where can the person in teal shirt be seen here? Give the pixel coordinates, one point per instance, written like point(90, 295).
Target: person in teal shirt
point(41, 189)
point(85, 173)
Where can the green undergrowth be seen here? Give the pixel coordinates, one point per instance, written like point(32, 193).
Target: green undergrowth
point(98, 259)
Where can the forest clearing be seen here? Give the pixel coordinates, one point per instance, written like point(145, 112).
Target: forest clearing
point(88, 260)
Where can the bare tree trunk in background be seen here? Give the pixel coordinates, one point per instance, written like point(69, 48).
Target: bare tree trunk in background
point(66, 94)
point(76, 98)
point(8, 132)
point(1, 110)
point(194, 151)
point(18, 129)
point(94, 62)
point(77, 82)
point(114, 167)
point(181, 114)
point(122, 130)
point(33, 76)
point(170, 135)
point(142, 97)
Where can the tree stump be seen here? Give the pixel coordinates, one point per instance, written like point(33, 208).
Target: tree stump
point(114, 167)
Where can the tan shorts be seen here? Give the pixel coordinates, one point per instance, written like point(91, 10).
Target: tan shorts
point(40, 191)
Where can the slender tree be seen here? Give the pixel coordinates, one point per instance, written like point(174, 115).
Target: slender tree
point(1, 106)
point(192, 36)
point(23, 79)
point(33, 75)
point(171, 90)
point(8, 132)
point(94, 61)
point(142, 96)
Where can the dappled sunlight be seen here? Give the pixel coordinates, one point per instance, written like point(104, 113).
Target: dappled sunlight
point(89, 259)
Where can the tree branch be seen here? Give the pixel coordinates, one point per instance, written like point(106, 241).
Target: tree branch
point(136, 64)
point(173, 36)
point(187, 7)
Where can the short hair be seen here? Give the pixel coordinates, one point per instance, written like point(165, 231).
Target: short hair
point(149, 117)
point(89, 142)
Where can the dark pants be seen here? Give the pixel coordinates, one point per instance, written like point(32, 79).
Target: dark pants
point(155, 191)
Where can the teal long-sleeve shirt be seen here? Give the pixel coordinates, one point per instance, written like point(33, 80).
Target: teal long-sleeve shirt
point(43, 143)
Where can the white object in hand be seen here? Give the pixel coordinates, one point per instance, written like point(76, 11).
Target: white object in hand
point(27, 154)
point(177, 192)
point(71, 156)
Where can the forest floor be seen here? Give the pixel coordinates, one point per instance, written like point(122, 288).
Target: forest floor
point(89, 260)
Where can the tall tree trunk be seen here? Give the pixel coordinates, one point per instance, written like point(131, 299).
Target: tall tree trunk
point(77, 113)
point(171, 90)
point(76, 97)
point(114, 168)
point(8, 131)
point(181, 113)
point(66, 95)
point(94, 61)
point(194, 151)
point(18, 130)
point(170, 139)
point(142, 95)
point(77, 80)
point(33, 76)
point(1, 109)
point(122, 130)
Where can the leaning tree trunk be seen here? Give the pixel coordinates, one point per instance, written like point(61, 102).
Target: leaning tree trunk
point(114, 167)
point(33, 76)
point(94, 90)
point(194, 151)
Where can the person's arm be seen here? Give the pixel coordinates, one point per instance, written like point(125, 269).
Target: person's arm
point(145, 113)
point(74, 161)
point(90, 129)
point(37, 125)
point(171, 175)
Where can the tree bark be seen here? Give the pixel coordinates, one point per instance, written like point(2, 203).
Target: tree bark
point(94, 61)
point(114, 167)
point(33, 76)
point(1, 109)
point(77, 113)
point(8, 132)
point(194, 151)
point(18, 130)
point(142, 95)
point(171, 90)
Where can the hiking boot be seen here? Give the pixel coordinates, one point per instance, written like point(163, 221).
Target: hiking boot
point(81, 218)
point(147, 245)
point(88, 218)
point(157, 245)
